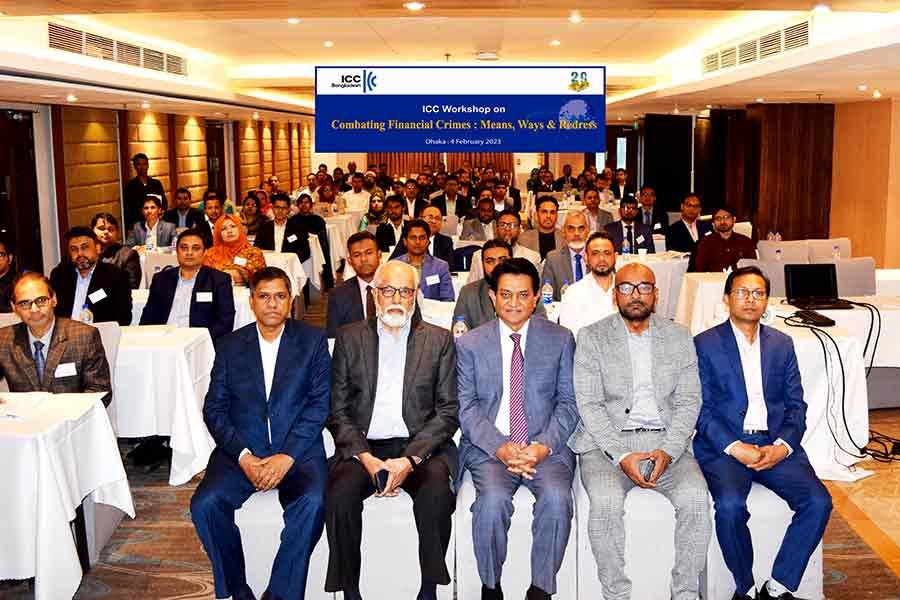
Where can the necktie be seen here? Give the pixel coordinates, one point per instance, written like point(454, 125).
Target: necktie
point(647, 218)
point(630, 237)
point(518, 424)
point(579, 273)
point(39, 360)
point(370, 302)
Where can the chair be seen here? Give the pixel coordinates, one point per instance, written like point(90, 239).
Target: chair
point(673, 216)
point(450, 225)
point(769, 519)
point(773, 269)
point(825, 248)
point(794, 252)
point(517, 569)
point(855, 276)
point(745, 228)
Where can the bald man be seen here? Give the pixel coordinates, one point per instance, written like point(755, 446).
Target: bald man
point(638, 393)
point(566, 265)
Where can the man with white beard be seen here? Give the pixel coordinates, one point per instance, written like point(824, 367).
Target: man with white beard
point(567, 265)
point(393, 415)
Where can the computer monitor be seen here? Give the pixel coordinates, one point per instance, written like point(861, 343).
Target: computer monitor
point(817, 281)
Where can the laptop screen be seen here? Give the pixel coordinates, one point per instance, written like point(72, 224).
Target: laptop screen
point(810, 281)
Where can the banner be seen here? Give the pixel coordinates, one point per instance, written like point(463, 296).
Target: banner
point(460, 109)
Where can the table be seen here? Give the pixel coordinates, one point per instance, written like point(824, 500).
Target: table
point(669, 269)
point(57, 450)
point(243, 315)
point(154, 262)
point(162, 376)
point(315, 263)
point(290, 264)
point(344, 225)
point(699, 300)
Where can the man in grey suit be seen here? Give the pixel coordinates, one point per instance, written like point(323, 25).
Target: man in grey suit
point(393, 411)
point(638, 392)
point(547, 236)
point(517, 411)
point(152, 229)
point(567, 265)
point(483, 227)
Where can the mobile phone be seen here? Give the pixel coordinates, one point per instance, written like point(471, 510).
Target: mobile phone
point(646, 468)
point(381, 479)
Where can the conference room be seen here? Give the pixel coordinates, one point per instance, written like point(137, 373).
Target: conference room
point(268, 274)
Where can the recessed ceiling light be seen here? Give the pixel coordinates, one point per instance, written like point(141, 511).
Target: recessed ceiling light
point(293, 21)
point(72, 98)
point(329, 43)
point(709, 106)
point(821, 8)
point(876, 94)
point(575, 17)
point(554, 42)
point(145, 105)
point(862, 87)
point(760, 100)
point(49, 95)
point(256, 115)
point(414, 6)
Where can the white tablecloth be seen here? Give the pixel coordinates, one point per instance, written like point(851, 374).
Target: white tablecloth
point(162, 377)
point(243, 314)
point(669, 270)
point(57, 450)
point(154, 262)
point(699, 300)
point(343, 226)
point(315, 263)
point(290, 264)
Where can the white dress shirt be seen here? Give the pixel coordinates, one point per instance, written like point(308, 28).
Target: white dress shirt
point(506, 350)
point(488, 230)
point(268, 351)
point(476, 270)
point(180, 313)
point(357, 201)
point(692, 229)
point(585, 302)
point(81, 292)
point(151, 235)
point(279, 235)
point(363, 286)
point(387, 410)
point(398, 231)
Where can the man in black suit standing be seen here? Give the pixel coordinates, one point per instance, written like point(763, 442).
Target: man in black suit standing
point(83, 281)
point(439, 245)
point(629, 228)
point(650, 215)
point(183, 216)
point(685, 234)
point(354, 300)
point(283, 234)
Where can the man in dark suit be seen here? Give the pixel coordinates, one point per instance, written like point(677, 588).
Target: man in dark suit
point(651, 215)
point(192, 295)
point(620, 187)
point(45, 353)
point(283, 234)
point(750, 429)
point(313, 224)
point(390, 233)
point(407, 369)
point(266, 407)
point(135, 191)
point(354, 300)
point(629, 228)
point(685, 234)
point(439, 245)
point(516, 416)
point(511, 191)
point(566, 179)
point(183, 215)
point(85, 280)
point(452, 202)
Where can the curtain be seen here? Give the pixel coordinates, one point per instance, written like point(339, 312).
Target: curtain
point(404, 163)
point(501, 160)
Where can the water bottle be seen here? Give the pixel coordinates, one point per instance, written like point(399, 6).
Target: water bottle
point(778, 254)
point(459, 326)
point(770, 236)
point(565, 286)
point(547, 292)
point(148, 246)
point(85, 316)
point(626, 246)
point(836, 252)
point(777, 236)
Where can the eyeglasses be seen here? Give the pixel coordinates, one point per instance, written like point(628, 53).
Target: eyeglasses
point(40, 301)
point(744, 293)
point(644, 288)
point(4, 254)
point(722, 218)
point(504, 225)
point(389, 291)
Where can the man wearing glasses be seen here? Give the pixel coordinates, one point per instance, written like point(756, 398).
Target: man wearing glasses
point(724, 247)
point(630, 229)
point(393, 415)
point(45, 353)
point(507, 228)
point(433, 273)
point(638, 394)
point(684, 234)
point(283, 234)
point(750, 428)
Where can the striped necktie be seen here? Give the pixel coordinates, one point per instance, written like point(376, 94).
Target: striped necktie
point(518, 424)
point(39, 360)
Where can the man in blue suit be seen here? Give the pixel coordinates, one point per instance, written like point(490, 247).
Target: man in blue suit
point(266, 408)
point(630, 228)
point(434, 273)
point(192, 295)
point(750, 427)
point(517, 410)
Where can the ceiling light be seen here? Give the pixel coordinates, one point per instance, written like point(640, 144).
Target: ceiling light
point(256, 115)
point(676, 111)
point(49, 95)
point(876, 94)
point(760, 100)
point(145, 105)
point(293, 21)
point(709, 106)
point(554, 42)
point(487, 56)
point(329, 43)
point(414, 6)
point(220, 114)
point(821, 8)
point(575, 17)
point(72, 98)
point(862, 87)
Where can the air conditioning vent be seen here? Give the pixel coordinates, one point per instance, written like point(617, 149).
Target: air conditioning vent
point(747, 52)
point(69, 39)
point(728, 58)
point(771, 43)
point(796, 36)
point(711, 62)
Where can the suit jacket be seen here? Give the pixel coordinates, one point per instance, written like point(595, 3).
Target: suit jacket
point(165, 234)
point(549, 395)
point(127, 259)
point(721, 419)
point(116, 306)
point(615, 230)
point(265, 238)
point(476, 307)
point(385, 237)
point(558, 269)
point(217, 316)
point(621, 191)
point(442, 248)
point(430, 409)
point(604, 385)
point(193, 217)
point(72, 342)
point(659, 219)
point(463, 205)
point(473, 230)
point(236, 410)
point(436, 283)
point(678, 238)
point(344, 306)
point(530, 239)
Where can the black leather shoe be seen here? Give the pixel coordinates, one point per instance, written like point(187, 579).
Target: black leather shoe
point(352, 595)
point(244, 595)
point(267, 595)
point(491, 594)
point(536, 593)
point(765, 595)
point(741, 597)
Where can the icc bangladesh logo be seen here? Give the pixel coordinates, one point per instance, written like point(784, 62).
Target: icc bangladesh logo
point(579, 81)
point(368, 81)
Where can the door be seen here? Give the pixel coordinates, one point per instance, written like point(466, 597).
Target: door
point(20, 219)
point(215, 155)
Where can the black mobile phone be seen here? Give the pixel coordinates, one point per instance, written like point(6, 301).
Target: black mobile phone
point(646, 467)
point(381, 479)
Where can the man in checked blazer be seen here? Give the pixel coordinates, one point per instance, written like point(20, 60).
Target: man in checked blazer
point(71, 353)
point(638, 393)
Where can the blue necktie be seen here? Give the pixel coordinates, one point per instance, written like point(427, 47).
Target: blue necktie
point(39, 359)
point(579, 273)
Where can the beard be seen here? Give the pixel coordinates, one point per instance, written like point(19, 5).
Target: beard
point(576, 246)
point(635, 311)
point(394, 315)
point(601, 272)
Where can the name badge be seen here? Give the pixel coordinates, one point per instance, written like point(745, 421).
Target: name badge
point(707, 233)
point(432, 280)
point(639, 239)
point(97, 296)
point(204, 296)
point(65, 370)
point(657, 226)
point(240, 261)
point(292, 238)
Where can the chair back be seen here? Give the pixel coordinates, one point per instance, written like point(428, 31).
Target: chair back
point(855, 276)
point(450, 225)
point(773, 269)
point(825, 248)
point(745, 228)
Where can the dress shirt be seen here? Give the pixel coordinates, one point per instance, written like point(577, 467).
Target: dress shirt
point(488, 230)
point(279, 235)
point(357, 201)
point(398, 231)
point(585, 302)
point(644, 410)
point(44, 339)
point(573, 254)
point(451, 204)
point(506, 350)
point(182, 218)
point(500, 206)
point(387, 410)
point(268, 351)
point(363, 286)
point(751, 365)
point(410, 207)
point(692, 229)
point(81, 291)
point(593, 219)
point(647, 218)
point(180, 313)
point(151, 235)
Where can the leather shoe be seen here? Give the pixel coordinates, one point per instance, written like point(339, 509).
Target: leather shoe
point(741, 597)
point(491, 594)
point(267, 595)
point(536, 593)
point(765, 595)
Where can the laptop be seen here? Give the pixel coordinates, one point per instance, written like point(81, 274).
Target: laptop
point(813, 287)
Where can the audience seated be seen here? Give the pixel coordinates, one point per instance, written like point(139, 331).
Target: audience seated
point(434, 273)
point(283, 234)
point(651, 215)
point(7, 274)
point(183, 215)
point(507, 227)
point(212, 212)
point(353, 300)
point(628, 228)
point(591, 299)
point(450, 201)
point(232, 253)
point(567, 179)
point(723, 248)
point(685, 234)
point(313, 224)
point(597, 219)
point(547, 236)
point(355, 196)
point(152, 231)
point(106, 228)
point(566, 265)
point(620, 186)
point(136, 190)
point(481, 227)
point(251, 218)
point(375, 215)
point(390, 233)
point(439, 245)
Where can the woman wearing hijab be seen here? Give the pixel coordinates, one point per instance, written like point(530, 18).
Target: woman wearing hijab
point(232, 253)
point(250, 214)
point(376, 214)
